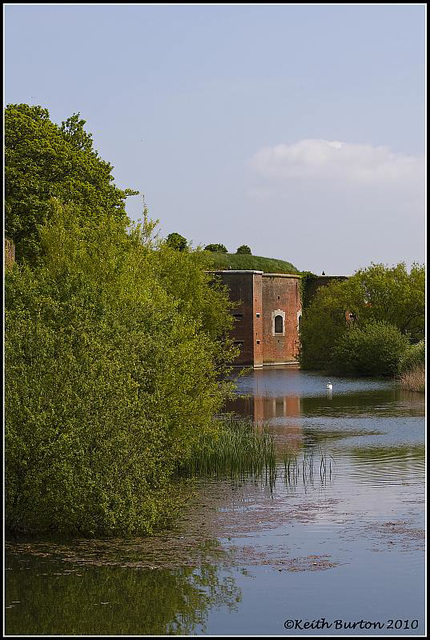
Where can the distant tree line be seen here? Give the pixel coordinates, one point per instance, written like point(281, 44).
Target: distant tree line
point(367, 324)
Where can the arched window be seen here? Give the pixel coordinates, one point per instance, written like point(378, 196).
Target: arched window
point(279, 324)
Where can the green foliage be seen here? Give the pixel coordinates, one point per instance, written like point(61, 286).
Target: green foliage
point(323, 323)
point(307, 276)
point(177, 242)
point(45, 161)
point(113, 363)
point(243, 249)
point(415, 356)
point(247, 261)
point(216, 248)
point(389, 294)
point(375, 350)
point(373, 295)
point(236, 450)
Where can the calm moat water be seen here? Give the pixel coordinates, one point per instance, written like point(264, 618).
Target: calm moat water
point(337, 541)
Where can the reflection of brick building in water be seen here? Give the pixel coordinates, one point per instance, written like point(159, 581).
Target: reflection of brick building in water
point(267, 316)
point(272, 409)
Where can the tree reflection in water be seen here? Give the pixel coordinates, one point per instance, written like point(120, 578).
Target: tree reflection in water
point(48, 596)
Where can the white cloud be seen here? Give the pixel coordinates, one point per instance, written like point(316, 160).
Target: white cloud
point(338, 206)
point(343, 163)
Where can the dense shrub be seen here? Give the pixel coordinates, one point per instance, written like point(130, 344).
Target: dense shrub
point(376, 349)
point(414, 357)
point(216, 248)
point(177, 242)
point(243, 249)
point(323, 323)
point(112, 375)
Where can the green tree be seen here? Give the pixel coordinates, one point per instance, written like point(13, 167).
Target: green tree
point(414, 357)
point(44, 160)
point(243, 249)
point(177, 242)
point(113, 374)
point(391, 295)
point(216, 248)
point(323, 323)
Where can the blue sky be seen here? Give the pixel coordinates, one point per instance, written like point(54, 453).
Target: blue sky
point(295, 129)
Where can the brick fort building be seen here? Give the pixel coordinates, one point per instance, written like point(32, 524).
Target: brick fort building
point(267, 315)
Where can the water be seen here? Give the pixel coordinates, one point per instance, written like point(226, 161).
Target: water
point(339, 541)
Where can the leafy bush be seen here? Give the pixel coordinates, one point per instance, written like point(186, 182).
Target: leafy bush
point(216, 248)
point(323, 323)
point(377, 294)
point(177, 242)
point(243, 249)
point(112, 376)
point(414, 357)
point(376, 349)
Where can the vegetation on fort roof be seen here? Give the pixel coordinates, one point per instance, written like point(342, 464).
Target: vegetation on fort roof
point(45, 160)
point(244, 249)
point(216, 248)
point(378, 311)
point(248, 261)
point(176, 241)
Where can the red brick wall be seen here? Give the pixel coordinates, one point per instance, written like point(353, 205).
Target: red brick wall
point(281, 292)
point(258, 295)
point(258, 314)
point(246, 289)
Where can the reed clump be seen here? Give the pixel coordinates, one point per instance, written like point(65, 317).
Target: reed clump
point(311, 466)
point(414, 379)
point(236, 449)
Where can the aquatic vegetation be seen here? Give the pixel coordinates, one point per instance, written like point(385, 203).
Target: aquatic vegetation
point(412, 368)
point(414, 379)
point(307, 468)
point(235, 449)
point(240, 449)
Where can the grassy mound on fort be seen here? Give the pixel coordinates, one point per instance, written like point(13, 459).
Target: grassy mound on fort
point(247, 261)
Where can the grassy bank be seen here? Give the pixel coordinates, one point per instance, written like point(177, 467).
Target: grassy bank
point(414, 379)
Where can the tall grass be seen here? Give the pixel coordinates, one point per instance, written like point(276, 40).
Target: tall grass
point(308, 468)
point(414, 379)
point(235, 449)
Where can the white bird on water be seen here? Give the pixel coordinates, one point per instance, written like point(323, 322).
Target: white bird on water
point(329, 385)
